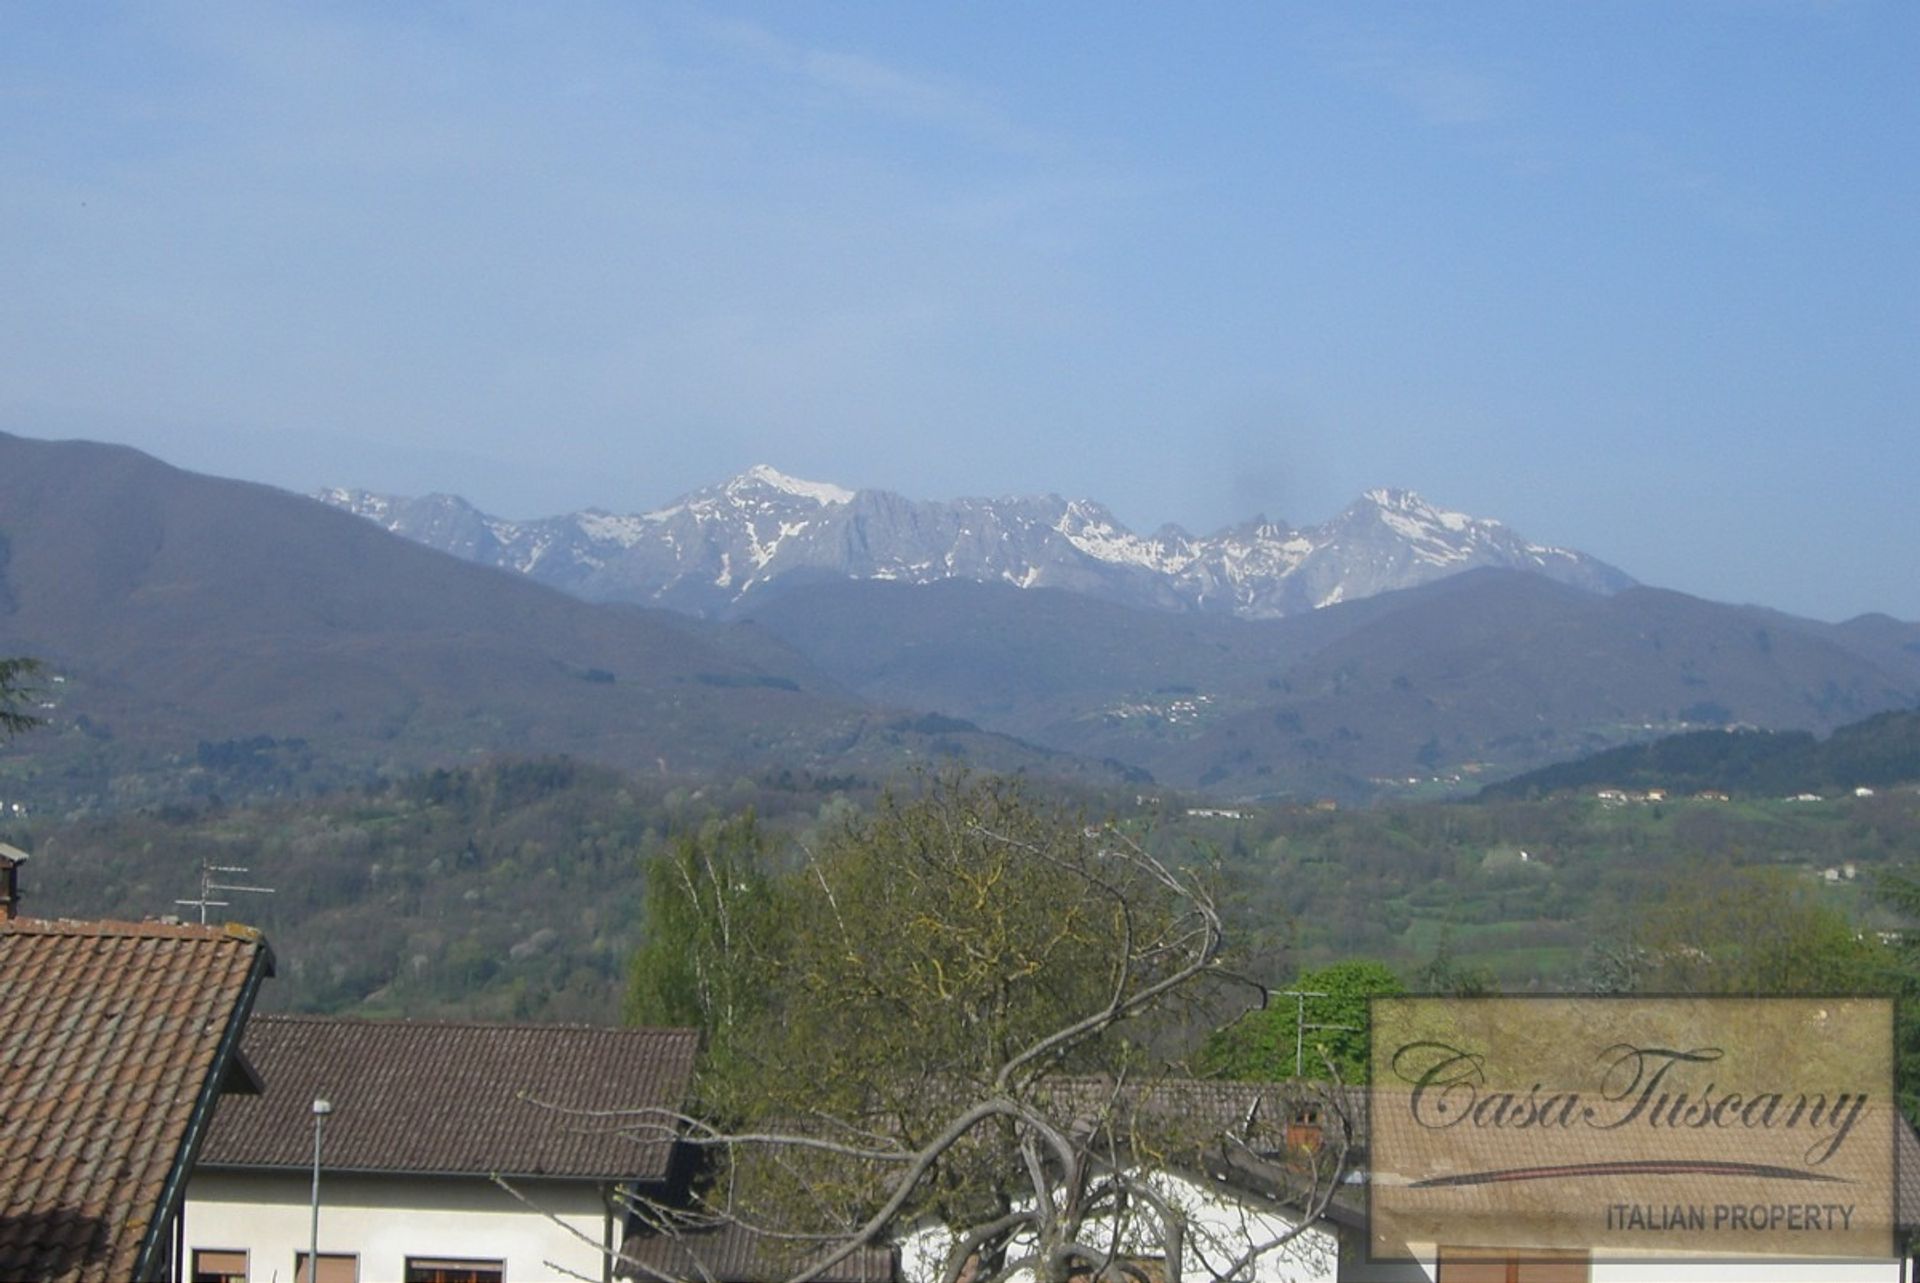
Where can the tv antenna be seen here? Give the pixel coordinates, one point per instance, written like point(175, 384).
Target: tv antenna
point(1301, 1025)
point(209, 885)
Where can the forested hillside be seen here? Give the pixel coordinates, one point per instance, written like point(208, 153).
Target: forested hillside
point(1874, 753)
point(514, 888)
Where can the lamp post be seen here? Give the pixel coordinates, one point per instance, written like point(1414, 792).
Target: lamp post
point(321, 1109)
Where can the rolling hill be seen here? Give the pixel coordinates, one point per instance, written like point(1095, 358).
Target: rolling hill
point(178, 609)
point(1471, 677)
point(1878, 752)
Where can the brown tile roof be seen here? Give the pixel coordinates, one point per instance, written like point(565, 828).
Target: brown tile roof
point(114, 1039)
point(453, 1099)
point(732, 1254)
point(1240, 1135)
point(1208, 1109)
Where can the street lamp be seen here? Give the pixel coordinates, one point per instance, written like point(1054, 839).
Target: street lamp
point(321, 1109)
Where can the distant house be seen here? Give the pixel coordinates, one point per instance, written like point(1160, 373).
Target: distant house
point(423, 1116)
point(116, 1041)
point(11, 860)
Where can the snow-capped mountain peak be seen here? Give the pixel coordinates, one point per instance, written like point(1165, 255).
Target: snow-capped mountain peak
point(1408, 507)
point(710, 551)
point(821, 492)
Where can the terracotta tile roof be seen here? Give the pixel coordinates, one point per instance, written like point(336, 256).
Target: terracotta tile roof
point(453, 1099)
point(114, 1039)
point(735, 1255)
point(1240, 1135)
point(1207, 1109)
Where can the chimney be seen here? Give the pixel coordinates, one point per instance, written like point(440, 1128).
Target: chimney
point(11, 858)
point(1303, 1128)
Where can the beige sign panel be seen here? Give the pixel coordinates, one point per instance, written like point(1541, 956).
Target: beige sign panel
point(1633, 1128)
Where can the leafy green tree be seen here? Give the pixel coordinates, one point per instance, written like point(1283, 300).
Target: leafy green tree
point(1722, 930)
point(711, 930)
point(15, 676)
point(1751, 931)
point(1444, 973)
point(1316, 1026)
point(950, 1003)
point(1901, 892)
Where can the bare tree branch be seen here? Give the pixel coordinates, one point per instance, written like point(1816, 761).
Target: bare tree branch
point(944, 1049)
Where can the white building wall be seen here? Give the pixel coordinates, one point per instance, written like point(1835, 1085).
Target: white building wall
point(1219, 1230)
point(385, 1220)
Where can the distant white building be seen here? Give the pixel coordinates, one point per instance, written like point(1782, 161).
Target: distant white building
point(1221, 1225)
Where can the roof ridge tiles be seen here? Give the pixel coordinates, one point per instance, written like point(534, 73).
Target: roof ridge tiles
point(319, 1018)
point(110, 929)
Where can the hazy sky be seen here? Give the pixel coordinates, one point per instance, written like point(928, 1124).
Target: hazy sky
point(1642, 279)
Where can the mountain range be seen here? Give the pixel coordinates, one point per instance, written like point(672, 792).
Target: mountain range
point(1397, 646)
point(218, 635)
point(720, 550)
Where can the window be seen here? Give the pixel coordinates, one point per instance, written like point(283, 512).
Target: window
point(210, 1266)
point(335, 1267)
point(442, 1269)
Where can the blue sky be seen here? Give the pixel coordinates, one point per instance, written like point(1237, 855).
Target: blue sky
point(1641, 279)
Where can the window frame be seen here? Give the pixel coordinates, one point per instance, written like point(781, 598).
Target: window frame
point(428, 1269)
point(196, 1273)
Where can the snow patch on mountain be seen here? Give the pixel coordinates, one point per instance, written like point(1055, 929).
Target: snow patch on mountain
point(605, 527)
point(820, 492)
point(1091, 528)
